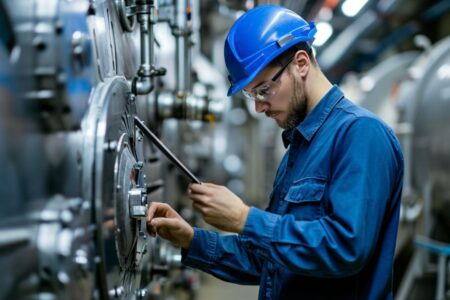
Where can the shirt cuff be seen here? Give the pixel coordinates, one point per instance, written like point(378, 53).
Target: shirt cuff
point(258, 229)
point(202, 251)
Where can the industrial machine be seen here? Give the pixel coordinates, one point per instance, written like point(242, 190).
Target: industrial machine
point(82, 172)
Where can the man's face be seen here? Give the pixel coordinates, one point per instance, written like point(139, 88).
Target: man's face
point(288, 105)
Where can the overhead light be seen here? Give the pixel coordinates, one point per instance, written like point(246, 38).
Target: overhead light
point(350, 8)
point(325, 14)
point(324, 32)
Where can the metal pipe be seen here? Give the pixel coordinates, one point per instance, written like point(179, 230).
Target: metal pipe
point(142, 83)
point(192, 108)
point(182, 31)
point(146, 48)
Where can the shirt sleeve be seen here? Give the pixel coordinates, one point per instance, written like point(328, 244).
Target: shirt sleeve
point(222, 256)
point(367, 169)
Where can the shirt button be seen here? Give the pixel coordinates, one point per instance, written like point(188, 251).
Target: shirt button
point(291, 164)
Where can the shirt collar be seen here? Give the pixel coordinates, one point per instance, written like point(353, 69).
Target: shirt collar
point(315, 119)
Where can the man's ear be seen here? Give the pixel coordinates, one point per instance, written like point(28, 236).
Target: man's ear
point(302, 63)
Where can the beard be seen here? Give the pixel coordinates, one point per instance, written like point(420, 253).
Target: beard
point(297, 109)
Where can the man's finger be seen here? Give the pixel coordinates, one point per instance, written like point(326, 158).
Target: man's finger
point(158, 209)
point(200, 188)
point(165, 223)
point(151, 229)
point(201, 199)
point(198, 207)
point(152, 209)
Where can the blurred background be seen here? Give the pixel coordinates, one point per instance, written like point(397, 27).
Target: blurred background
point(77, 174)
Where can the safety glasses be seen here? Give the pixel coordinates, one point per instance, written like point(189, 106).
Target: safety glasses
point(266, 90)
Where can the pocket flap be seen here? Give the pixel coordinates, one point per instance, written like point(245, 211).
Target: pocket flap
point(306, 190)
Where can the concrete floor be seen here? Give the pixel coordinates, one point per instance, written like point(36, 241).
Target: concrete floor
point(216, 289)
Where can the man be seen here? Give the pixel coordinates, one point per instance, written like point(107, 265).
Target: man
point(330, 228)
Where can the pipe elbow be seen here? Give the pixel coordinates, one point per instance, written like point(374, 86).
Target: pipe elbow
point(142, 85)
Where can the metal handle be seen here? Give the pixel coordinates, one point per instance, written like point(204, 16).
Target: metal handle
point(165, 150)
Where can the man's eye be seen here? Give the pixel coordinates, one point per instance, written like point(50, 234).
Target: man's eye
point(264, 90)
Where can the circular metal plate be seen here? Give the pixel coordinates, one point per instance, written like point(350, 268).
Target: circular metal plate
point(125, 180)
point(110, 145)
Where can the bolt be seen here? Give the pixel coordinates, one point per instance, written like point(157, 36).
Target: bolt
point(77, 42)
point(110, 145)
point(59, 26)
point(39, 43)
point(138, 165)
point(116, 292)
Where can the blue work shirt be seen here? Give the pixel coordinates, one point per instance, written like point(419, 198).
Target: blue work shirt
point(330, 229)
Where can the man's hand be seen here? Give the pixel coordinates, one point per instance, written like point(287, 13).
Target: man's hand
point(219, 206)
point(168, 224)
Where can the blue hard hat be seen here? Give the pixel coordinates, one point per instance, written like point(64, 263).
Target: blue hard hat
point(259, 36)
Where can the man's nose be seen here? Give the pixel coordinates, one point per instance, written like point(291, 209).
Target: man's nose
point(261, 106)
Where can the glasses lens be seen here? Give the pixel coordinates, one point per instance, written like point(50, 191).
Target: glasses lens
point(263, 92)
point(248, 95)
point(266, 91)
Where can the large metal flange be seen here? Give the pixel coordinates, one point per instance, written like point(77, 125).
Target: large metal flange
point(113, 179)
point(130, 203)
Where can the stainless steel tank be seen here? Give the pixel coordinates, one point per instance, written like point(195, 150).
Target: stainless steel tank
point(424, 101)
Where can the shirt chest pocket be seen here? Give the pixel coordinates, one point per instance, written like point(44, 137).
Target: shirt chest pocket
point(304, 199)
